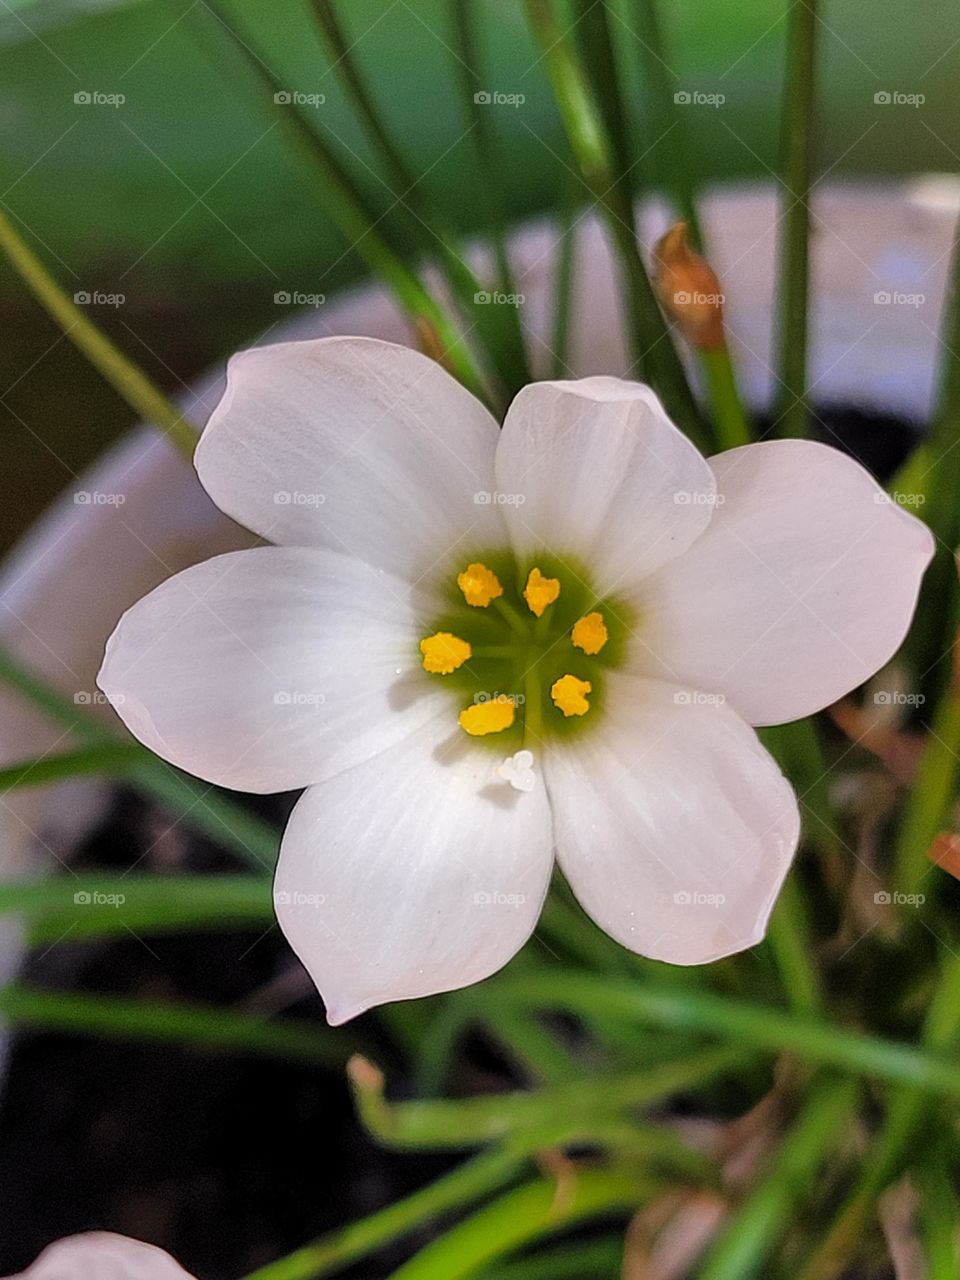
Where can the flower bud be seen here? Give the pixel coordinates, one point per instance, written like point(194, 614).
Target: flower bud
point(689, 290)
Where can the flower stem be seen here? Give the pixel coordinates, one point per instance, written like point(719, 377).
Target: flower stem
point(792, 411)
point(130, 382)
point(730, 422)
point(929, 801)
point(588, 99)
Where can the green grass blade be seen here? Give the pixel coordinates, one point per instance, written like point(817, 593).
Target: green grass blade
point(207, 1030)
point(129, 381)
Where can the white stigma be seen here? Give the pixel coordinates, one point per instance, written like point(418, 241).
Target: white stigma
point(518, 771)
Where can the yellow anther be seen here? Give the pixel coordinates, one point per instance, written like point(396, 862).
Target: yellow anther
point(540, 591)
point(479, 585)
point(569, 695)
point(443, 653)
point(488, 717)
point(590, 633)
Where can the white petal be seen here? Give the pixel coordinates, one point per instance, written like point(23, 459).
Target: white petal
point(418, 872)
point(272, 668)
point(596, 470)
point(802, 587)
point(361, 446)
point(100, 1255)
point(674, 826)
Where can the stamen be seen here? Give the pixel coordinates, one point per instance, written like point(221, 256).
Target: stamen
point(518, 771)
point(540, 591)
point(444, 653)
point(492, 716)
point(569, 695)
point(479, 585)
point(590, 633)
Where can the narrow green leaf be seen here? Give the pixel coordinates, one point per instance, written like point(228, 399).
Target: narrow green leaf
point(129, 381)
point(207, 1030)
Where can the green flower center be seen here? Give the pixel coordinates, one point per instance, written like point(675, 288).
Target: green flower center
point(525, 648)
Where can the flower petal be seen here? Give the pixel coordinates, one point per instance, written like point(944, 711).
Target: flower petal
point(418, 872)
point(595, 469)
point(101, 1255)
point(802, 587)
point(270, 669)
point(674, 826)
point(361, 446)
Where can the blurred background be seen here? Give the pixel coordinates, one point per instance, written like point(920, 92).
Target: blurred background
point(189, 203)
point(137, 163)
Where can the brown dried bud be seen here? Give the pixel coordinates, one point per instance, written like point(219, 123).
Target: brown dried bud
point(689, 290)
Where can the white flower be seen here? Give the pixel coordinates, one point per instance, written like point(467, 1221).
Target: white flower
point(100, 1255)
point(602, 610)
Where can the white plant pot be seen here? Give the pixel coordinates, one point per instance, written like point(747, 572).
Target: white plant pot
point(880, 260)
